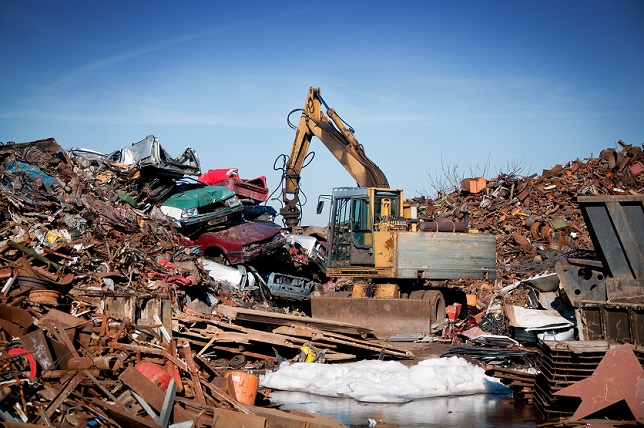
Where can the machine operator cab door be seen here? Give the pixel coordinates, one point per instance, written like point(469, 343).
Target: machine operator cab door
point(352, 223)
point(351, 228)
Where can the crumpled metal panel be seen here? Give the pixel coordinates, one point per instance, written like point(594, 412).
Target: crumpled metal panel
point(148, 153)
point(615, 226)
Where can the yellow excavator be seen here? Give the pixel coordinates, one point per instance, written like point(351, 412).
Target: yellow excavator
point(375, 236)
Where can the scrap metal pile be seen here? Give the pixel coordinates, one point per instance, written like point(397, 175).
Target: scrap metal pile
point(570, 278)
point(95, 285)
point(118, 311)
point(535, 218)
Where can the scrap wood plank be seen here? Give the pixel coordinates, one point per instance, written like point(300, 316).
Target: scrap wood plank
point(194, 320)
point(529, 381)
point(246, 337)
point(264, 317)
point(296, 343)
point(224, 336)
point(290, 330)
point(509, 374)
point(506, 373)
point(249, 335)
point(362, 344)
point(214, 324)
point(330, 355)
point(296, 418)
point(332, 339)
point(508, 370)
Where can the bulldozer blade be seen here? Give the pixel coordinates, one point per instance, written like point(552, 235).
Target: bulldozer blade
point(385, 317)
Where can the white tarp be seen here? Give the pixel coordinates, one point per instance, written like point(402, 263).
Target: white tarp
point(385, 381)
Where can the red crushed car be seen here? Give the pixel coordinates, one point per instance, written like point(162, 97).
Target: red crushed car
point(252, 191)
point(240, 242)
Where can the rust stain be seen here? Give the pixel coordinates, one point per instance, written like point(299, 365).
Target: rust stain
point(389, 243)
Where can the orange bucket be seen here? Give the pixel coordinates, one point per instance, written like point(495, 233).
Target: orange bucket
point(245, 385)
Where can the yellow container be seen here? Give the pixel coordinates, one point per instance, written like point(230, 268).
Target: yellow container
point(471, 300)
point(245, 386)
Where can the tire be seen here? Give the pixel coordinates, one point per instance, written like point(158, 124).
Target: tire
point(417, 294)
point(437, 305)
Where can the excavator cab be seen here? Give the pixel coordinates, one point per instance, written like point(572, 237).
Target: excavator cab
point(351, 228)
point(356, 213)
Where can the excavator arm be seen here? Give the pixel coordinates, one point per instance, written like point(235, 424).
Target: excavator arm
point(339, 139)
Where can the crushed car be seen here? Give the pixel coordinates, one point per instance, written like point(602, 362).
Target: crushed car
point(239, 242)
point(152, 159)
point(249, 191)
point(202, 206)
point(305, 249)
point(86, 158)
point(247, 278)
point(210, 217)
point(253, 193)
point(289, 287)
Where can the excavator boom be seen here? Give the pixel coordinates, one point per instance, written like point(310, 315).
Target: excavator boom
point(328, 128)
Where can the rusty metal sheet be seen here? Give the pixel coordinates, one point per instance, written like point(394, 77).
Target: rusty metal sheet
point(122, 416)
point(384, 316)
point(143, 386)
point(622, 322)
point(615, 225)
point(619, 376)
point(562, 364)
point(150, 392)
point(14, 320)
point(37, 344)
point(64, 393)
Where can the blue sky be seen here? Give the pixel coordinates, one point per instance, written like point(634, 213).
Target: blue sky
point(427, 85)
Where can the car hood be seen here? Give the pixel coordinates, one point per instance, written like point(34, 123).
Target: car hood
point(199, 197)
